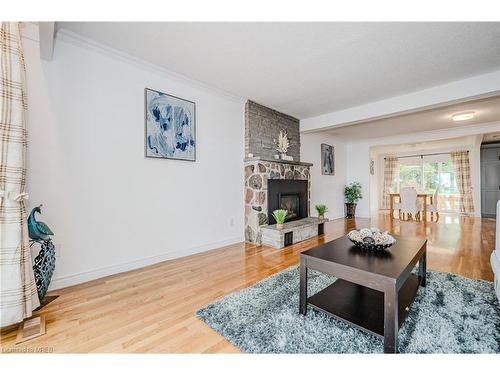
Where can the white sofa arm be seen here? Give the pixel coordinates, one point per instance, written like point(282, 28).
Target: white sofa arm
point(497, 233)
point(495, 266)
point(495, 255)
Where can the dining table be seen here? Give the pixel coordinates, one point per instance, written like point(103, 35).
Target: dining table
point(426, 197)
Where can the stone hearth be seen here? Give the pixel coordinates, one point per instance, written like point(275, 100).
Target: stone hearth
point(257, 172)
point(298, 230)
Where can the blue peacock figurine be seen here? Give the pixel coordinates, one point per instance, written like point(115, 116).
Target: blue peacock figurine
point(38, 230)
point(45, 261)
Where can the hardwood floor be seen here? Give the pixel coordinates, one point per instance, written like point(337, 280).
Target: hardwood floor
point(152, 309)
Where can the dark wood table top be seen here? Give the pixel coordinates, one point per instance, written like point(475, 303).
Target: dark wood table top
point(390, 264)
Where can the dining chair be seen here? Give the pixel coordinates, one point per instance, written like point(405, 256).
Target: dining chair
point(432, 208)
point(397, 206)
point(409, 204)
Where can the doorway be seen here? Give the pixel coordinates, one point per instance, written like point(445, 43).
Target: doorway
point(490, 179)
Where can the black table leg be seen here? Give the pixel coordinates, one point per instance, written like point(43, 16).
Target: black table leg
point(422, 269)
point(391, 323)
point(303, 289)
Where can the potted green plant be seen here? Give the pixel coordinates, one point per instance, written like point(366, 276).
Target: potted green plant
point(280, 216)
point(321, 209)
point(352, 193)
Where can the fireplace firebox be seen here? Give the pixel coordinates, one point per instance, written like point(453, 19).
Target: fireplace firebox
point(290, 195)
point(291, 203)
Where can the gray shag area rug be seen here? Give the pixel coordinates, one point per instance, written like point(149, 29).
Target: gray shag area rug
point(452, 314)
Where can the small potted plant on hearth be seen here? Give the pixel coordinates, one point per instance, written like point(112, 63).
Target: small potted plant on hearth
point(352, 193)
point(280, 216)
point(321, 209)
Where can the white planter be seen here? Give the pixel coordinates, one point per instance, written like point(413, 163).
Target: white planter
point(286, 157)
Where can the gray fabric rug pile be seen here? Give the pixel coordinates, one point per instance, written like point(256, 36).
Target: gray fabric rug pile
point(452, 314)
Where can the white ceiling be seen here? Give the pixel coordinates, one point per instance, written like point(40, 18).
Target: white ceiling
point(307, 69)
point(485, 110)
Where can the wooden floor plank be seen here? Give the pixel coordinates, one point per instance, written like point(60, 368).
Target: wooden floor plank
point(152, 309)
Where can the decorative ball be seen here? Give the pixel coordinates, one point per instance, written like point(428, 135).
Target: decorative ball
point(369, 240)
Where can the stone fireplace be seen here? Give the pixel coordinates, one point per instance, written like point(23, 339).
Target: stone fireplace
point(263, 193)
point(272, 183)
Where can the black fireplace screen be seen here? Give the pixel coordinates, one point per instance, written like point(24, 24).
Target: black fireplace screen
point(290, 195)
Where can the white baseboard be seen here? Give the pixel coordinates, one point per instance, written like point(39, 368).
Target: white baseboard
point(81, 277)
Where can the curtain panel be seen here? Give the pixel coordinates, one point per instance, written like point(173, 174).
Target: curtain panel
point(390, 169)
point(461, 166)
point(18, 294)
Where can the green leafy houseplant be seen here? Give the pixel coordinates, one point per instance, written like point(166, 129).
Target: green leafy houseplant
point(280, 216)
point(352, 193)
point(321, 209)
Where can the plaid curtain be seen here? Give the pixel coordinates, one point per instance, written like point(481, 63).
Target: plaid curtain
point(461, 166)
point(390, 168)
point(18, 294)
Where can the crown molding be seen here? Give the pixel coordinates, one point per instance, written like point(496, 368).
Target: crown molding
point(433, 135)
point(481, 86)
point(75, 39)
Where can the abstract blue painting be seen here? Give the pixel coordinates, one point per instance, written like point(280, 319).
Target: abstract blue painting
point(169, 127)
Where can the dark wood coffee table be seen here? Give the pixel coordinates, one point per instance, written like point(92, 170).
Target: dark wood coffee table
point(373, 291)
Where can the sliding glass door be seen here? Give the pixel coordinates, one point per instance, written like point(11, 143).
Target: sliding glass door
point(428, 173)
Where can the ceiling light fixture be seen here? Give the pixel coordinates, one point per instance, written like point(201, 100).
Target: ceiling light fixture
point(462, 116)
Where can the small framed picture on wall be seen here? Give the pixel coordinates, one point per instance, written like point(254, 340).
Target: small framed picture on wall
point(327, 159)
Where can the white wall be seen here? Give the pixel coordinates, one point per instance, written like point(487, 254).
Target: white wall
point(111, 208)
point(358, 169)
point(325, 189)
point(475, 165)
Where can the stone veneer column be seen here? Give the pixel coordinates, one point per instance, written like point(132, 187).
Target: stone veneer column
point(257, 172)
point(262, 126)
